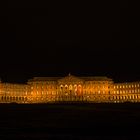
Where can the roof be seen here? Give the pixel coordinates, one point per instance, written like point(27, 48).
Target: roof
point(44, 79)
point(70, 78)
point(96, 78)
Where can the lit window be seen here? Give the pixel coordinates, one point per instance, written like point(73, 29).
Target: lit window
point(132, 85)
point(123, 86)
point(132, 91)
point(75, 86)
point(70, 87)
point(133, 96)
point(138, 85)
point(120, 86)
point(117, 92)
point(129, 86)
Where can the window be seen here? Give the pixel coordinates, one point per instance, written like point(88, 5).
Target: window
point(61, 87)
point(132, 91)
point(132, 96)
point(70, 87)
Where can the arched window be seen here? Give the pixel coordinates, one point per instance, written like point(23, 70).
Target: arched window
point(75, 87)
point(70, 87)
point(66, 86)
point(61, 87)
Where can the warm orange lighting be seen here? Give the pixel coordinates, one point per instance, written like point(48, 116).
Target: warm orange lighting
point(70, 88)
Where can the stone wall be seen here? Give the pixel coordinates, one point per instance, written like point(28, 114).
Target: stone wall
point(70, 88)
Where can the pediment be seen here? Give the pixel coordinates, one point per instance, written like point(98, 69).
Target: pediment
point(70, 79)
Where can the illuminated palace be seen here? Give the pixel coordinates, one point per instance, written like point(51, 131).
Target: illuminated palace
point(69, 89)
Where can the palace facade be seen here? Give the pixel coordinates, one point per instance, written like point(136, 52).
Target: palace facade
point(70, 89)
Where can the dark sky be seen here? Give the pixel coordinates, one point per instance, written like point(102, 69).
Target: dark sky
point(53, 39)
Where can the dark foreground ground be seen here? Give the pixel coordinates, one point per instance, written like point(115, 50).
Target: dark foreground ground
point(70, 121)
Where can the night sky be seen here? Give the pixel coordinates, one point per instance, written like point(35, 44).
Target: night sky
point(52, 39)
